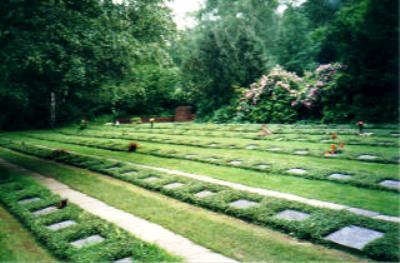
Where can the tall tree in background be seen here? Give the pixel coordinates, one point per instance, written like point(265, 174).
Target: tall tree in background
point(73, 49)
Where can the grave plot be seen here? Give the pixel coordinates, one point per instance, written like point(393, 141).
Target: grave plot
point(393, 184)
point(108, 244)
point(204, 193)
point(292, 215)
point(257, 209)
point(354, 236)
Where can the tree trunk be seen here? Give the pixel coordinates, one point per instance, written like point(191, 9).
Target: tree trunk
point(52, 109)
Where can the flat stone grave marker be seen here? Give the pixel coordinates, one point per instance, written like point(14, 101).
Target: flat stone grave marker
point(395, 134)
point(354, 236)
point(301, 152)
point(292, 215)
point(297, 171)
point(91, 240)
point(331, 155)
point(113, 168)
point(393, 184)
point(262, 166)
point(61, 225)
point(212, 159)
point(29, 200)
point(242, 203)
point(362, 212)
point(252, 146)
point(45, 211)
point(204, 193)
point(325, 141)
point(301, 139)
point(275, 149)
point(213, 145)
point(190, 156)
point(339, 176)
point(124, 260)
point(235, 162)
point(173, 185)
point(131, 172)
point(151, 178)
point(367, 157)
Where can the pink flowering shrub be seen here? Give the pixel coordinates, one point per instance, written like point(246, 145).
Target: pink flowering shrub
point(282, 96)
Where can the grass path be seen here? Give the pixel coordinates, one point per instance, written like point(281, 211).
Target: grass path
point(17, 244)
point(321, 190)
point(231, 237)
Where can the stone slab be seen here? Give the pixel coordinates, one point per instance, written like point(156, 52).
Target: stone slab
point(393, 184)
point(297, 171)
point(124, 260)
point(242, 203)
point(213, 145)
point(132, 172)
point(29, 200)
point(301, 152)
point(367, 157)
point(235, 162)
point(173, 185)
point(151, 178)
point(276, 149)
point(91, 240)
point(61, 225)
point(191, 156)
point(262, 166)
point(292, 215)
point(339, 176)
point(252, 146)
point(363, 212)
point(45, 211)
point(204, 193)
point(354, 236)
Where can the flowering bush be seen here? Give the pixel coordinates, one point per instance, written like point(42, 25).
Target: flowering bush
point(282, 96)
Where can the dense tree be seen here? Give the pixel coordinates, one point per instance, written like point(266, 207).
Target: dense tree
point(76, 50)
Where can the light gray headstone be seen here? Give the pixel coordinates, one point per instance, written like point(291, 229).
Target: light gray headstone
point(151, 178)
point(394, 184)
point(363, 212)
point(354, 236)
point(91, 240)
point(173, 185)
point(124, 260)
point(190, 156)
point(213, 145)
point(29, 200)
point(339, 176)
point(367, 157)
point(235, 162)
point(45, 211)
point(252, 146)
point(242, 203)
point(297, 171)
point(301, 152)
point(61, 225)
point(262, 166)
point(292, 215)
point(130, 173)
point(276, 149)
point(204, 193)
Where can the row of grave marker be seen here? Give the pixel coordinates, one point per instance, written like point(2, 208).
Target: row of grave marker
point(350, 236)
point(80, 243)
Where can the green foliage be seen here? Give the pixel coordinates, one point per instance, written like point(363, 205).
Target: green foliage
point(117, 244)
point(321, 222)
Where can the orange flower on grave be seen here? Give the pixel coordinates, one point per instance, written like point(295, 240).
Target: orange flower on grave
point(334, 136)
point(333, 148)
point(341, 145)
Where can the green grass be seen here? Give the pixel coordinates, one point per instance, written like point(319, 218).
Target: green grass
point(117, 243)
point(327, 191)
point(229, 236)
point(363, 174)
point(17, 244)
point(351, 152)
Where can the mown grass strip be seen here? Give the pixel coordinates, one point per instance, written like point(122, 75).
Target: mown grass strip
point(383, 154)
point(322, 190)
point(315, 228)
point(117, 244)
point(232, 237)
point(367, 175)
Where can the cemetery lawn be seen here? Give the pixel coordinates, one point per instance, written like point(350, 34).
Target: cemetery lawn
point(386, 202)
point(223, 234)
point(17, 244)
